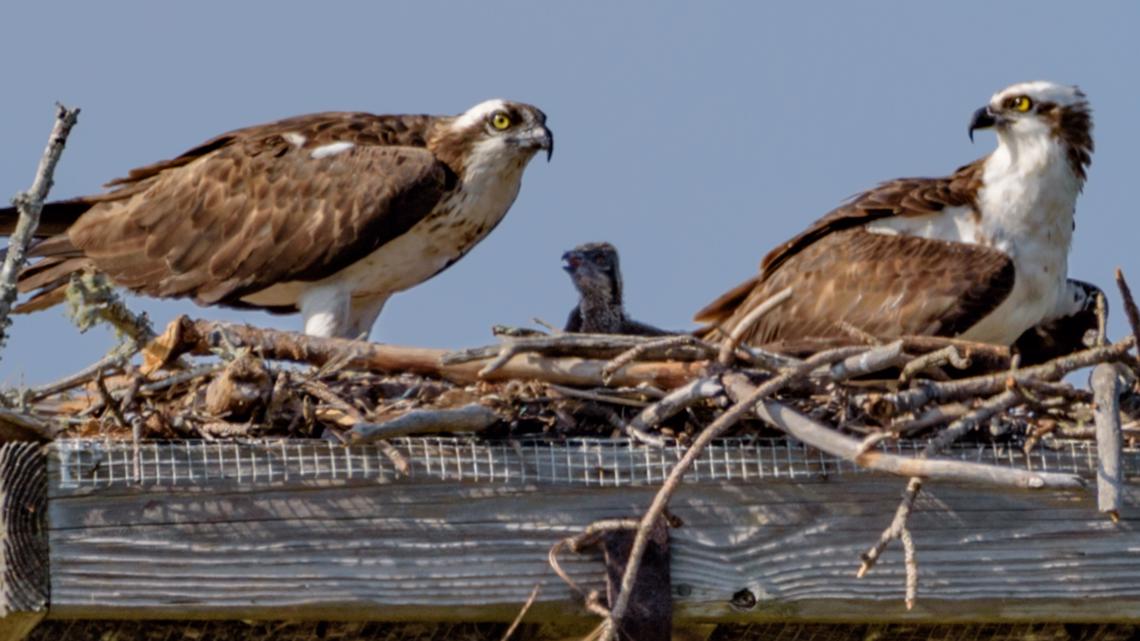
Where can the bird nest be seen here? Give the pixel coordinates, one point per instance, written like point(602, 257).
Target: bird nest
point(203, 379)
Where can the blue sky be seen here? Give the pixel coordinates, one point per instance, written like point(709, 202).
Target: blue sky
point(694, 136)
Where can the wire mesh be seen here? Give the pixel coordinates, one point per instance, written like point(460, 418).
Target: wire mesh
point(85, 464)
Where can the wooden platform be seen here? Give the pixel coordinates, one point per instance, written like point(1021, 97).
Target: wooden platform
point(772, 532)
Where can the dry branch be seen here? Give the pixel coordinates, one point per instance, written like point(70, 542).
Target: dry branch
point(654, 415)
point(832, 442)
point(728, 345)
point(469, 418)
point(1105, 381)
point(186, 336)
point(985, 385)
point(1130, 310)
point(30, 203)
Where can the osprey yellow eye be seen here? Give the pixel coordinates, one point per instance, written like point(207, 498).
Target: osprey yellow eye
point(500, 120)
point(1022, 103)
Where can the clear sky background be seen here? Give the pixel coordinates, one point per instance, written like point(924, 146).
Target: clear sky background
point(693, 136)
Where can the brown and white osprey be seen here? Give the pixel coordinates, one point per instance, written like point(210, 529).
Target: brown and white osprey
point(981, 254)
point(328, 214)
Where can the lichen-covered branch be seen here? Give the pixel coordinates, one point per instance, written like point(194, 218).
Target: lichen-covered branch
point(29, 204)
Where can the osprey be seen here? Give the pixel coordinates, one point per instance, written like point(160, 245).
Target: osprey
point(596, 274)
point(327, 214)
point(980, 254)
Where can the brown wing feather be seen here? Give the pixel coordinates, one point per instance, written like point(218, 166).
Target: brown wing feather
point(249, 208)
point(900, 197)
point(236, 222)
point(885, 285)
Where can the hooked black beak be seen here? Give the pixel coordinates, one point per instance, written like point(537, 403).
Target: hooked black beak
point(547, 143)
point(983, 119)
point(571, 260)
point(537, 137)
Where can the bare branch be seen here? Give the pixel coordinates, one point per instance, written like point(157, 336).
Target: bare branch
point(469, 418)
point(653, 416)
point(1130, 310)
point(728, 346)
point(1105, 382)
point(924, 393)
point(30, 204)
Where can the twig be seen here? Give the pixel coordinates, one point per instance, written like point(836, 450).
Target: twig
point(1102, 315)
point(656, 345)
point(937, 358)
point(584, 345)
point(323, 393)
point(858, 333)
point(971, 420)
point(872, 440)
point(897, 528)
point(109, 402)
point(911, 563)
point(769, 360)
point(898, 524)
point(924, 393)
point(1105, 382)
point(515, 332)
point(830, 441)
point(82, 377)
point(469, 418)
point(595, 396)
point(1130, 309)
point(92, 298)
point(685, 396)
point(869, 362)
point(180, 378)
point(326, 395)
point(586, 538)
point(30, 204)
point(26, 422)
point(548, 326)
point(728, 345)
point(930, 418)
point(506, 352)
point(522, 613)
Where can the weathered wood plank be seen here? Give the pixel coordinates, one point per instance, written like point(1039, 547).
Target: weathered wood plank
point(23, 532)
point(359, 545)
point(23, 538)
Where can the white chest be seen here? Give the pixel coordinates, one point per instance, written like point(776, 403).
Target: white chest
point(457, 224)
point(1026, 211)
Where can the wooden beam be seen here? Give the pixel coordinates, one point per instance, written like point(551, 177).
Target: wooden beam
point(770, 532)
point(23, 538)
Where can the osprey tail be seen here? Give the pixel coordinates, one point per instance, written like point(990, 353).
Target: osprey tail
point(55, 218)
point(47, 277)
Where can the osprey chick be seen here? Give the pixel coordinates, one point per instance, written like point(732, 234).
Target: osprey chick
point(594, 269)
point(980, 254)
point(328, 214)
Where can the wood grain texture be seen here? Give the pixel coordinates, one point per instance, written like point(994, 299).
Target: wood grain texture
point(432, 546)
point(23, 532)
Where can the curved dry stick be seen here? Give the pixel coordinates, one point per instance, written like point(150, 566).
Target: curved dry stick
point(677, 400)
point(638, 351)
point(728, 346)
